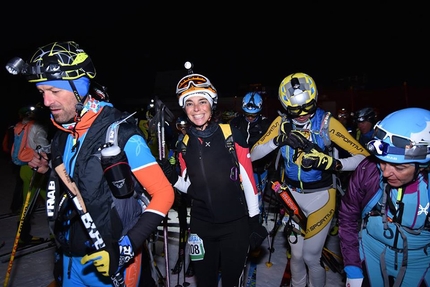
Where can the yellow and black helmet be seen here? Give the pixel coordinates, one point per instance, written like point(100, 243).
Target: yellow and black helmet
point(59, 61)
point(298, 94)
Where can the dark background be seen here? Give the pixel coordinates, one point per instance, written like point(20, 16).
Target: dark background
point(367, 45)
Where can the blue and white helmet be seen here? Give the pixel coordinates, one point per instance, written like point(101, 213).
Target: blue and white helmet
point(252, 103)
point(403, 137)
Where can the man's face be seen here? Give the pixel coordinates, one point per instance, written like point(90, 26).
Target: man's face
point(364, 126)
point(62, 103)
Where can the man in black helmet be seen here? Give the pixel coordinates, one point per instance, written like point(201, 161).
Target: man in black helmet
point(365, 119)
point(102, 233)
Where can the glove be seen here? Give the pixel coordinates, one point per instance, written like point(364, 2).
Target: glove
point(296, 140)
point(258, 232)
point(109, 262)
point(280, 140)
point(318, 160)
point(172, 160)
point(353, 282)
point(169, 170)
point(354, 276)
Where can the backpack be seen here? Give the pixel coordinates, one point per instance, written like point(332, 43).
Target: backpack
point(125, 205)
point(8, 140)
point(21, 153)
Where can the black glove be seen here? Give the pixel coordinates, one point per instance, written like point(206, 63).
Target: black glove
point(169, 170)
point(296, 140)
point(258, 232)
point(109, 261)
point(318, 160)
point(280, 140)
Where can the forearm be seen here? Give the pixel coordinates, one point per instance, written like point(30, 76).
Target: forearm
point(145, 226)
point(260, 151)
point(251, 195)
point(350, 163)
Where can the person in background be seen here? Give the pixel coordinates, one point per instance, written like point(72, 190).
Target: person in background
point(253, 125)
point(224, 214)
point(304, 137)
point(365, 119)
point(227, 116)
point(30, 137)
point(64, 75)
point(8, 138)
point(384, 226)
point(344, 118)
point(150, 131)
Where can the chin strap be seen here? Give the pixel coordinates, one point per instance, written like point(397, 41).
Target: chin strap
point(80, 105)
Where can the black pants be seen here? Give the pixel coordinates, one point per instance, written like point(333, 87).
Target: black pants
point(226, 248)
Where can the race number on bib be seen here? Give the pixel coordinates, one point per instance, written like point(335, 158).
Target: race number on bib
point(197, 251)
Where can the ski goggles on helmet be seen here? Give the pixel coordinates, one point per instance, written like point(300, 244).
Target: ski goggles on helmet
point(396, 140)
point(251, 106)
point(197, 81)
point(410, 152)
point(303, 109)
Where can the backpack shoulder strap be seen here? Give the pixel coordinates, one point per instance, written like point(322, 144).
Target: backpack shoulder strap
point(228, 136)
point(324, 132)
point(229, 141)
point(183, 144)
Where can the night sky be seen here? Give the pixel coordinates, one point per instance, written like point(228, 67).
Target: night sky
point(129, 44)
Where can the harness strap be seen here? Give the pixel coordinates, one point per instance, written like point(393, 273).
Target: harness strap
point(402, 271)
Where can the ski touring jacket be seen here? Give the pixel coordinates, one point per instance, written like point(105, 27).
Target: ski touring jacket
point(252, 131)
point(364, 199)
point(221, 191)
point(80, 151)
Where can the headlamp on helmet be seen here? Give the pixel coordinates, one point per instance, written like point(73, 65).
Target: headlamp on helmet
point(403, 137)
point(55, 61)
point(182, 123)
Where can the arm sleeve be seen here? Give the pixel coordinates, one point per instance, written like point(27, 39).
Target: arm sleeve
point(248, 180)
point(340, 136)
point(265, 144)
point(363, 182)
point(38, 136)
point(150, 175)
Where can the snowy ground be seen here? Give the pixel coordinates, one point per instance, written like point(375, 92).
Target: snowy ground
point(36, 269)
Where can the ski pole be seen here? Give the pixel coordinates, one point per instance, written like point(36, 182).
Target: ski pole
point(161, 156)
point(75, 195)
point(24, 213)
point(18, 232)
point(273, 232)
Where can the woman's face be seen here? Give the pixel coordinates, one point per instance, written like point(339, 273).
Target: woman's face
point(199, 111)
point(397, 174)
